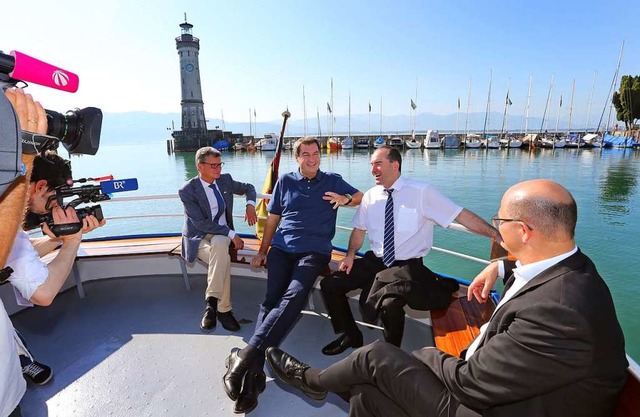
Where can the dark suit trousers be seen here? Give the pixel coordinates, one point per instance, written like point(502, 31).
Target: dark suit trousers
point(383, 380)
point(335, 289)
point(362, 276)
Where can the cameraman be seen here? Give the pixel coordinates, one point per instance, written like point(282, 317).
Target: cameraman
point(12, 205)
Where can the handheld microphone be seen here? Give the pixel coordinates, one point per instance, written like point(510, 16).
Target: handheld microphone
point(26, 68)
point(116, 186)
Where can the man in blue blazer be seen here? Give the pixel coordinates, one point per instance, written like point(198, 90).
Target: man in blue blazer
point(553, 347)
point(208, 231)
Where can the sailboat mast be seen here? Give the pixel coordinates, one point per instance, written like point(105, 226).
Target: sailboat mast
point(506, 109)
point(250, 127)
point(546, 107)
point(573, 90)
point(488, 108)
point(332, 118)
point(319, 130)
point(466, 124)
point(528, 106)
point(415, 113)
point(593, 86)
point(304, 110)
point(349, 113)
point(380, 115)
point(558, 114)
point(613, 85)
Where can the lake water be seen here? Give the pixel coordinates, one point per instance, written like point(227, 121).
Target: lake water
point(603, 182)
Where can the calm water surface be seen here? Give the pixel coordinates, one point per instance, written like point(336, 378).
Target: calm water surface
point(604, 184)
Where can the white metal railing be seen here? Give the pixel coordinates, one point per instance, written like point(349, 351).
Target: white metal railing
point(454, 226)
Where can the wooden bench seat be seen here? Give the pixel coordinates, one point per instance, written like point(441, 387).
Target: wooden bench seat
point(455, 327)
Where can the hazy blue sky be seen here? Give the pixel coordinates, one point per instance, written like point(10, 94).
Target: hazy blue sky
point(259, 54)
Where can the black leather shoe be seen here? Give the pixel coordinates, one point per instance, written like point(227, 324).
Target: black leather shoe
point(342, 343)
point(232, 379)
point(254, 385)
point(228, 321)
point(208, 319)
point(291, 371)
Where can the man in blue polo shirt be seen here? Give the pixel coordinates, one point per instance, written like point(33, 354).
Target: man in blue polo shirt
point(299, 229)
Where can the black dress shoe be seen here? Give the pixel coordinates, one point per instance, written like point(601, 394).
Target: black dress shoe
point(208, 319)
point(232, 379)
point(291, 371)
point(342, 343)
point(254, 384)
point(228, 321)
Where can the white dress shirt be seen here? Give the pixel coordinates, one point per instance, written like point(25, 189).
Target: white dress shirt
point(213, 204)
point(417, 207)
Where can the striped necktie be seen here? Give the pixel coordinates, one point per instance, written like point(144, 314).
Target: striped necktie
point(220, 201)
point(388, 249)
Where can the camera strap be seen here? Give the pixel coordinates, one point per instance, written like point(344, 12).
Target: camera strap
point(33, 143)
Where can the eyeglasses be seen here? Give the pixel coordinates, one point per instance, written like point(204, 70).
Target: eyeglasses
point(213, 165)
point(497, 222)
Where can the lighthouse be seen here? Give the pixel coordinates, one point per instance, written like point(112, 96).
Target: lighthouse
point(194, 133)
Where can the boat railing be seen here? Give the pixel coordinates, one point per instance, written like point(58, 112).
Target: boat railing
point(454, 226)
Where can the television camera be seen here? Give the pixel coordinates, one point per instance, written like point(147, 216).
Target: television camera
point(78, 129)
point(91, 193)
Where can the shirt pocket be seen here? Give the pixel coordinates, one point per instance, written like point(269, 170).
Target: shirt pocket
point(407, 220)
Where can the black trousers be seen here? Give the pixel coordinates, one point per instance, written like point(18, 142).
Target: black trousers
point(362, 275)
point(383, 380)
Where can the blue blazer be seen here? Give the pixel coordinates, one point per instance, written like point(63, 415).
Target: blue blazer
point(197, 211)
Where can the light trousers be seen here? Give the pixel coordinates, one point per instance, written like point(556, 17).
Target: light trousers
point(214, 249)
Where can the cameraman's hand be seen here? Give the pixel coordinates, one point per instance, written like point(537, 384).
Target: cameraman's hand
point(61, 216)
point(91, 222)
point(31, 114)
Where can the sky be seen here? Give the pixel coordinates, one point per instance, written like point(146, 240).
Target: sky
point(259, 54)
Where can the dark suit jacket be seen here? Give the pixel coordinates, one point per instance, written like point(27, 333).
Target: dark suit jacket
point(198, 221)
point(554, 349)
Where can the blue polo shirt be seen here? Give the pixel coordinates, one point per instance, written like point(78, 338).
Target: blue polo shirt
point(308, 222)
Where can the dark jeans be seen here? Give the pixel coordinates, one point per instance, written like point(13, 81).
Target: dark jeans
point(383, 380)
point(362, 276)
point(290, 278)
point(15, 413)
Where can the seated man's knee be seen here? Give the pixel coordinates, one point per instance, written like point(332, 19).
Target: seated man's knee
point(393, 305)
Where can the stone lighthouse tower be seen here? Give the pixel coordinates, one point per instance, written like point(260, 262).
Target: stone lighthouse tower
point(194, 133)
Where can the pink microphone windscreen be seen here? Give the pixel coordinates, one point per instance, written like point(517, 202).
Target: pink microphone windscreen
point(33, 70)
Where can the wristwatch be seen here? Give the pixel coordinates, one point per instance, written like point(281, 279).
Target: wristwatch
point(350, 197)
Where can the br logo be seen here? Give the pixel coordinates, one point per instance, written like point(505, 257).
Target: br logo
point(60, 78)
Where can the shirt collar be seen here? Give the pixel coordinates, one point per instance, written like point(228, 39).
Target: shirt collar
point(400, 182)
point(206, 184)
point(529, 271)
point(298, 176)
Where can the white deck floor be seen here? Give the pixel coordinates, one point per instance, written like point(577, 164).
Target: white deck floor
point(133, 347)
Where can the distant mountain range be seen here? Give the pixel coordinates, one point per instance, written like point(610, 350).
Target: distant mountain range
point(120, 128)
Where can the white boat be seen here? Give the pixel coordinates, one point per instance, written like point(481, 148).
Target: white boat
point(432, 140)
point(491, 142)
point(124, 333)
point(346, 143)
point(511, 143)
point(546, 142)
point(472, 141)
point(396, 142)
point(268, 143)
point(413, 143)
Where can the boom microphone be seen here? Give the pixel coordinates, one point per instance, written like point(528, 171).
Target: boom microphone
point(23, 67)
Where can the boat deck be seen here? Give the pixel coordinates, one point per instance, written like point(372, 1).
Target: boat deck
point(133, 347)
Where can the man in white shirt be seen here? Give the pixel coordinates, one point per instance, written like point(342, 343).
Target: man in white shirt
point(553, 347)
point(414, 209)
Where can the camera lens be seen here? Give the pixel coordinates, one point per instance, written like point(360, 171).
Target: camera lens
point(78, 129)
